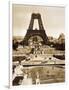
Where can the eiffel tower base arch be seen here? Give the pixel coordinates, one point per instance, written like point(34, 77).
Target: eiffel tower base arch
point(30, 32)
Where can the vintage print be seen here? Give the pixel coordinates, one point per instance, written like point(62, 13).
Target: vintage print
point(38, 44)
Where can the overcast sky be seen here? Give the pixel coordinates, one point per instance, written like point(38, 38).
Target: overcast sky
point(52, 18)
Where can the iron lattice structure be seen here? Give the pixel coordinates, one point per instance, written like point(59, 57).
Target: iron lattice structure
point(31, 32)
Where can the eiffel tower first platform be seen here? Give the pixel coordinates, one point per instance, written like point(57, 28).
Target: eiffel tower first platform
point(31, 32)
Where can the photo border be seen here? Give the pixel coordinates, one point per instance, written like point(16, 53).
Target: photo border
point(10, 40)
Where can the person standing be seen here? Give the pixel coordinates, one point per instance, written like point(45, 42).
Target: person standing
point(37, 78)
point(19, 69)
point(18, 74)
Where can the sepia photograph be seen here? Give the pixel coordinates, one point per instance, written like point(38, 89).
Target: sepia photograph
point(38, 44)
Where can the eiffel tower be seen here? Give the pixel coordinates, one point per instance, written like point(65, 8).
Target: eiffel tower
point(31, 32)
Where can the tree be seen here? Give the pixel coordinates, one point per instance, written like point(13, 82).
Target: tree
point(15, 44)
